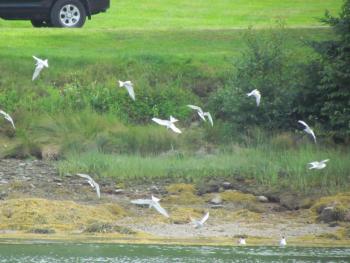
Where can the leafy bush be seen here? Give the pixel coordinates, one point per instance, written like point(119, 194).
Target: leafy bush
point(267, 66)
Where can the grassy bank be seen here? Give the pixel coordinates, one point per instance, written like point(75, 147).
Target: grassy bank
point(102, 145)
point(75, 112)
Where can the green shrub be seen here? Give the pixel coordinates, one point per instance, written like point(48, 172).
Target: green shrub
point(267, 66)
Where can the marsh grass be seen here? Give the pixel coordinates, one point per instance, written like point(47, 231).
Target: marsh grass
point(266, 165)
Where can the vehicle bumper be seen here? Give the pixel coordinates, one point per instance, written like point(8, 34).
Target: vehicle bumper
point(97, 6)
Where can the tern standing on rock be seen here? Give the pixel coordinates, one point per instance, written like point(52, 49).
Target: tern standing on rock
point(93, 184)
point(129, 87)
point(200, 223)
point(255, 93)
point(318, 165)
point(308, 130)
point(153, 202)
point(202, 114)
point(168, 123)
point(40, 64)
point(8, 117)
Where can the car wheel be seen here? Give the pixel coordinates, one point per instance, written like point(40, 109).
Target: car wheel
point(68, 13)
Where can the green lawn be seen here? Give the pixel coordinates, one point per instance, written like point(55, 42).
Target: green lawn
point(207, 46)
point(205, 14)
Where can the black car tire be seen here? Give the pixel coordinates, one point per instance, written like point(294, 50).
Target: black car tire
point(40, 23)
point(68, 13)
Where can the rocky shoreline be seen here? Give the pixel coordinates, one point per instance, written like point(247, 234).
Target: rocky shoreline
point(37, 202)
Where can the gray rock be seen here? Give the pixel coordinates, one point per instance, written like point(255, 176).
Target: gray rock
point(216, 200)
point(333, 224)
point(154, 189)
point(333, 213)
point(227, 185)
point(291, 201)
point(328, 215)
point(119, 191)
point(216, 206)
point(208, 187)
point(262, 199)
point(57, 180)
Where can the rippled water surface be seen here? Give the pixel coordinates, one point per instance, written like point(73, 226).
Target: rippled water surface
point(42, 253)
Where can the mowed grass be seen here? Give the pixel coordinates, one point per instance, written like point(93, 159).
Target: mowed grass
point(204, 14)
point(72, 50)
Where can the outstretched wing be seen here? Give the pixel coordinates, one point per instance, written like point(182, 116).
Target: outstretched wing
point(130, 90)
point(8, 117)
point(160, 209)
point(201, 114)
point(37, 71)
point(12, 123)
point(308, 130)
point(195, 108)
point(172, 119)
point(256, 94)
point(92, 182)
point(155, 199)
point(303, 123)
point(174, 128)
point(312, 134)
point(209, 118)
point(37, 60)
point(141, 202)
point(160, 122)
point(324, 161)
point(257, 97)
point(97, 188)
point(250, 93)
point(313, 165)
point(86, 176)
point(205, 218)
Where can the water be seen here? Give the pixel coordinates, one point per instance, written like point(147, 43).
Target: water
point(91, 253)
